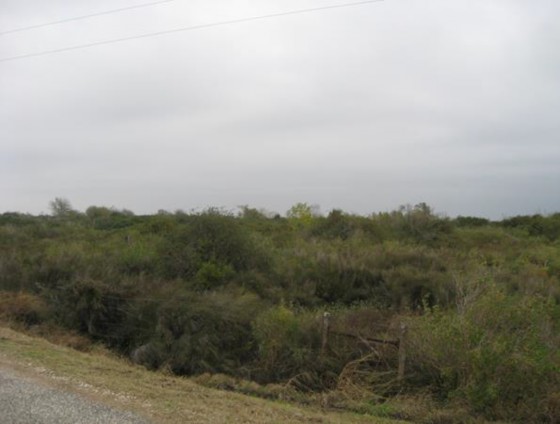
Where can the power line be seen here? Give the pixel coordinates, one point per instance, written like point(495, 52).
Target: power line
point(185, 29)
point(78, 18)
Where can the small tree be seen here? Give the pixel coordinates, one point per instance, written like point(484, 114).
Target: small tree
point(303, 213)
point(61, 207)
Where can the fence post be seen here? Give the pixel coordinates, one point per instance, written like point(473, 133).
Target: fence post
point(402, 352)
point(325, 333)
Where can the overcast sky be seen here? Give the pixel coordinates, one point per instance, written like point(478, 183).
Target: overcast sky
point(452, 103)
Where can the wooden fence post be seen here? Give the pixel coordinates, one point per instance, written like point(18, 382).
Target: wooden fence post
point(325, 333)
point(402, 353)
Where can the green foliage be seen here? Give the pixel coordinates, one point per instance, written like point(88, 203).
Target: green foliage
point(211, 275)
point(243, 295)
point(137, 255)
point(417, 223)
point(302, 214)
point(536, 225)
point(89, 306)
point(197, 334)
point(288, 344)
point(471, 221)
point(499, 353)
point(276, 331)
point(335, 225)
point(209, 238)
point(103, 218)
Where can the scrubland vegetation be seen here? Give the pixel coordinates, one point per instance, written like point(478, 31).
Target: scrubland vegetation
point(236, 300)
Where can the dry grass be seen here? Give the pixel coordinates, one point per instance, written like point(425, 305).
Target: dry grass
point(162, 398)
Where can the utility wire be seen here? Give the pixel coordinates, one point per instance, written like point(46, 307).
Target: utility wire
point(185, 29)
point(78, 18)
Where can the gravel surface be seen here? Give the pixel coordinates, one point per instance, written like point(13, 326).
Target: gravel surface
point(24, 401)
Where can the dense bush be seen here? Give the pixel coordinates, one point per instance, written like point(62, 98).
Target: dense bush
point(288, 344)
point(244, 294)
point(204, 333)
point(209, 238)
point(498, 353)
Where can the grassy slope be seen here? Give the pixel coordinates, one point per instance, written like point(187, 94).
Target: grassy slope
point(164, 399)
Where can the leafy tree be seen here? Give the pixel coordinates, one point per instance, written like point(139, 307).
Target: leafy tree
point(302, 213)
point(61, 207)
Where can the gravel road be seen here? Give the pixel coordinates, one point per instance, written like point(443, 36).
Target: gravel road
point(25, 401)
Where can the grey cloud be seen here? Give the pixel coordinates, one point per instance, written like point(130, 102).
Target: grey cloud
point(366, 108)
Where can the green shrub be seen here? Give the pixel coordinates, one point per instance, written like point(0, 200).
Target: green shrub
point(197, 333)
point(288, 344)
point(499, 354)
point(209, 238)
point(211, 275)
point(89, 306)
